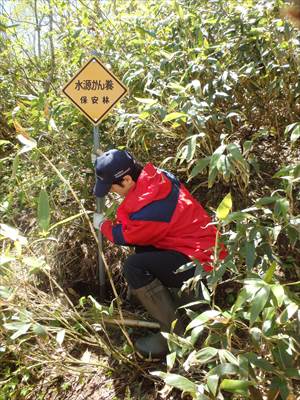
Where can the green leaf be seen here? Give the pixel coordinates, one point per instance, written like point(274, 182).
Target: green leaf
point(21, 331)
point(295, 134)
point(175, 115)
point(177, 381)
point(250, 254)
point(264, 201)
point(293, 234)
point(181, 383)
point(288, 312)
point(226, 355)
point(15, 166)
point(98, 306)
point(185, 267)
point(196, 333)
point(224, 207)
point(259, 362)
point(235, 386)
point(39, 330)
point(216, 154)
point(255, 282)
point(224, 369)
point(242, 297)
point(203, 318)
point(258, 303)
point(279, 293)
point(200, 166)
point(213, 164)
point(290, 128)
point(171, 358)
point(5, 292)
point(178, 9)
point(294, 130)
point(247, 145)
point(280, 384)
point(13, 326)
point(43, 211)
point(212, 384)
point(205, 293)
point(292, 373)
point(3, 142)
point(281, 207)
point(270, 272)
point(244, 366)
point(238, 216)
point(217, 274)
point(143, 31)
point(146, 101)
point(213, 172)
point(191, 148)
point(206, 354)
point(236, 153)
point(283, 172)
point(283, 354)
point(226, 168)
point(144, 115)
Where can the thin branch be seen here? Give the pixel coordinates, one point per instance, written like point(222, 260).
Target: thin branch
point(38, 28)
point(52, 52)
point(130, 322)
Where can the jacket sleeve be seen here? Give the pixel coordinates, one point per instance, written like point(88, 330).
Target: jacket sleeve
point(136, 233)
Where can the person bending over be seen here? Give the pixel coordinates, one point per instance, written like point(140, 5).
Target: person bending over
point(168, 228)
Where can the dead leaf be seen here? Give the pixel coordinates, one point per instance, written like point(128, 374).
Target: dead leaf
point(255, 393)
point(19, 128)
point(86, 356)
point(27, 142)
point(273, 394)
point(291, 397)
point(46, 110)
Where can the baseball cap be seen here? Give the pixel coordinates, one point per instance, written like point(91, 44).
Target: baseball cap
point(111, 167)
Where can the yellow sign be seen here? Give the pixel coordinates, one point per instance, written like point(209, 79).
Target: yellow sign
point(94, 90)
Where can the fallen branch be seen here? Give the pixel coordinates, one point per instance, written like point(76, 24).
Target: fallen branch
point(128, 322)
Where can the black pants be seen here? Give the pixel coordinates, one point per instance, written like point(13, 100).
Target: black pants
point(149, 263)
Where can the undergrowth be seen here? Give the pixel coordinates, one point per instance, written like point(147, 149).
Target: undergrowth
point(214, 97)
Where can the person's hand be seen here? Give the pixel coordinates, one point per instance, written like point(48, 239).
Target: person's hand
point(98, 219)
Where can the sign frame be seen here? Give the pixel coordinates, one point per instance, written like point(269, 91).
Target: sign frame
point(125, 90)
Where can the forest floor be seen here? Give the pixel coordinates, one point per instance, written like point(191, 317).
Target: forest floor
point(77, 280)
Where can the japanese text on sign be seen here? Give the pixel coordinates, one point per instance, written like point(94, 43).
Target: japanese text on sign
point(88, 84)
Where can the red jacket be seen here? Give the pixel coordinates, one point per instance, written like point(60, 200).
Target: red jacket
point(159, 211)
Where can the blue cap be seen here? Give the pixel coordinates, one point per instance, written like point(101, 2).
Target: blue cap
point(111, 167)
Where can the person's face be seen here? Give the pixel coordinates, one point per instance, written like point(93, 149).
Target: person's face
point(127, 183)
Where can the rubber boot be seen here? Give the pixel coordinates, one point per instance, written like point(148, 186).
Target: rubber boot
point(158, 302)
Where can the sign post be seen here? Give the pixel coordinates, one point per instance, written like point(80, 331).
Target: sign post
point(99, 209)
point(94, 90)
